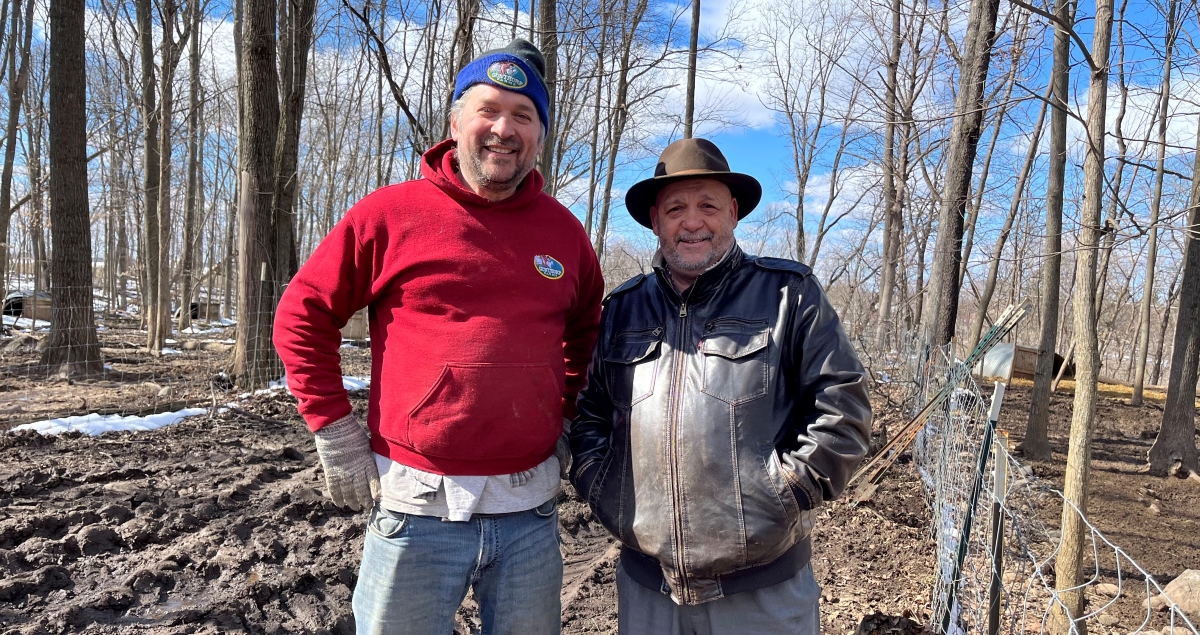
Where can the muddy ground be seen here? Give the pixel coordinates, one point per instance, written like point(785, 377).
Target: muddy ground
point(190, 372)
point(219, 524)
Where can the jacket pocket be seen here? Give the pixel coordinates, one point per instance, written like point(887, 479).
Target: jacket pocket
point(735, 359)
point(783, 489)
point(606, 493)
point(632, 359)
point(482, 412)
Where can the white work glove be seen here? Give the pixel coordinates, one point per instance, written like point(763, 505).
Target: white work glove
point(563, 450)
point(344, 448)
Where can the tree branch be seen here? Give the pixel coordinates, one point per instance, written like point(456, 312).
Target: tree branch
point(386, 67)
point(1087, 56)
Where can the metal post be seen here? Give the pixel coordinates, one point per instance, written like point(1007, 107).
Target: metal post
point(262, 284)
point(964, 535)
point(999, 491)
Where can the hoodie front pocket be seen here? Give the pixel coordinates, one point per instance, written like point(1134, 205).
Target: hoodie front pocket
point(482, 412)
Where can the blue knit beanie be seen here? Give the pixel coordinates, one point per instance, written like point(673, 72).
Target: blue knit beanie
point(518, 67)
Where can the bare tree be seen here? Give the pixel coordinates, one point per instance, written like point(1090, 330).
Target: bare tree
point(969, 109)
point(1175, 447)
point(893, 225)
point(73, 348)
point(548, 29)
point(620, 113)
point(151, 173)
point(254, 360)
point(689, 104)
point(1068, 574)
point(192, 197)
point(1036, 444)
point(593, 183)
point(18, 71)
point(174, 39)
point(294, 45)
point(1164, 98)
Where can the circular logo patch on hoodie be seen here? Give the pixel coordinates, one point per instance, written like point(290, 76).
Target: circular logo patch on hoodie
point(548, 267)
point(507, 74)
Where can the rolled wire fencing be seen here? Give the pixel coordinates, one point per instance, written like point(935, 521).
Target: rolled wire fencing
point(995, 524)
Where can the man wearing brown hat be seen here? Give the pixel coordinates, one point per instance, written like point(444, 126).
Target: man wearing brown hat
point(484, 298)
point(724, 404)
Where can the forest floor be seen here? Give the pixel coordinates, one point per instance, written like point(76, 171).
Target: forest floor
point(219, 523)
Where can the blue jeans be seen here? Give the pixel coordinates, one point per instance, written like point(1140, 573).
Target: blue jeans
point(416, 571)
point(791, 607)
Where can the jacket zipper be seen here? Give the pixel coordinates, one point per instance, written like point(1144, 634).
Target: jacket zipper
point(677, 517)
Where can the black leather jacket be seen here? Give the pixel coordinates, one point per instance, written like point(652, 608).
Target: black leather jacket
point(713, 423)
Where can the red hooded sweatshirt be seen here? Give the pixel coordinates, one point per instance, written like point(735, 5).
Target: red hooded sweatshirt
point(482, 318)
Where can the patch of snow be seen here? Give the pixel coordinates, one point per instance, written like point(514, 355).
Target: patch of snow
point(195, 331)
point(24, 323)
point(171, 351)
point(349, 382)
point(94, 424)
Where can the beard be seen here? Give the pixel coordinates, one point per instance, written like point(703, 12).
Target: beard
point(491, 177)
point(696, 265)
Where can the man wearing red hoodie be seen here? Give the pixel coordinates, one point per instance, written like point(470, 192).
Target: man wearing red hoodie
point(483, 296)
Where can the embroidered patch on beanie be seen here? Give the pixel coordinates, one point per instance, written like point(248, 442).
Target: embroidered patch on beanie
point(507, 74)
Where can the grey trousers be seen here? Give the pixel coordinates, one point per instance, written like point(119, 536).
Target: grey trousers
point(791, 607)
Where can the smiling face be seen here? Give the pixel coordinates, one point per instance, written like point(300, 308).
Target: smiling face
point(694, 221)
point(499, 138)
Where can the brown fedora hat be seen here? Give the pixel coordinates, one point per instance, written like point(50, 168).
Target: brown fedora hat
point(691, 159)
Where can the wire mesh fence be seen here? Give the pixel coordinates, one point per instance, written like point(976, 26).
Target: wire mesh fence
point(996, 525)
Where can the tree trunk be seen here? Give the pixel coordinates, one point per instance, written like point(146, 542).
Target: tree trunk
point(981, 188)
point(254, 359)
point(969, 108)
point(1175, 446)
point(73, 349)
point(1118, 175)
point(1036, 444)
point(299, 38)
point(227, 278)
point(460, 50)
point(33, 159)
point(193, 192)
point(620, 117)
point(1143, 341)
point(16, 92)
point(148, 292)
point(1068, 572)
point(689, 104)
point(160, 329)
point(595, 147)
point(548, 28)
point(1171, 294)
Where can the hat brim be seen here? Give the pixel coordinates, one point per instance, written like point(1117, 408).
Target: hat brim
point(644, 194)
